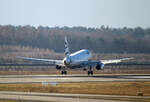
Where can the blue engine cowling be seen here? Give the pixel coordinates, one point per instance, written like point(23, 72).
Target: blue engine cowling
point(100, 66)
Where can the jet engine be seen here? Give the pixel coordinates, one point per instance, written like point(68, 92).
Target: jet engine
point(67, 61)
point(58, 67)
point(100, 66)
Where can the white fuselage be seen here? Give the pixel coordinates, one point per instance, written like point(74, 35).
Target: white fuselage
point(77, 58)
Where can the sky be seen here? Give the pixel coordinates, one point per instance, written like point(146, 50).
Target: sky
point(88, 13)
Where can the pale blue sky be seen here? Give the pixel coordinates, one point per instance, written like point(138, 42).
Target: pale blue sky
point(89, 13)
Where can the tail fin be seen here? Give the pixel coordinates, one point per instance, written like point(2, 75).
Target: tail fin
point(67, 52)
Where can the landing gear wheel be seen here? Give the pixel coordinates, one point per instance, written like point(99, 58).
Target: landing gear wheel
point(90, 72)
point(64, 72)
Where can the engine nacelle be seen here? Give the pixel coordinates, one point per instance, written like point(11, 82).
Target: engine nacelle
point(58, 67)
point(67, 60)
point(100, 66)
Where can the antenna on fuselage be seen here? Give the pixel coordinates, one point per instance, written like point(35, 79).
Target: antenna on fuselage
point(67, 52)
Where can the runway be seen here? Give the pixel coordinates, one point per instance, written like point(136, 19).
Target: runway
point(60, 97)
point(70, 78)
point(57, 97)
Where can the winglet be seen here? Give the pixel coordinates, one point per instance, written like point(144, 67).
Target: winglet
point(67, 52)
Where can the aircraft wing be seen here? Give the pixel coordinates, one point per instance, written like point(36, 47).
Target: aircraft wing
point(94, 63)
point(114, 60)
point(52, 62)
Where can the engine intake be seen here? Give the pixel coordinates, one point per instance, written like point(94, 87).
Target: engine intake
point(100, 66)
point(67, 61)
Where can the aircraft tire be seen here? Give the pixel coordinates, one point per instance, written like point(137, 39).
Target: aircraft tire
point(91, 72)
point(65, 72)
point(62, 72)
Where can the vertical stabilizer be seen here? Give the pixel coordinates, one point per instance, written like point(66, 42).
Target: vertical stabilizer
point(67, 52)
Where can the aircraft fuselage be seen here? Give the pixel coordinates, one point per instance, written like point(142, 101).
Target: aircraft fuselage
point(77, 58)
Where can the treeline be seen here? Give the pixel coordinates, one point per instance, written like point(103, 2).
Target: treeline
point(8, 54)
point(99, 40)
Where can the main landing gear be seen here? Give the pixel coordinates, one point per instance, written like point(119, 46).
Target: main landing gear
point(63, 72)
point(90, 71)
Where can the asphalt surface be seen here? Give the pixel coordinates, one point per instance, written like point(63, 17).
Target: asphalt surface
point(70, 78)
point(56, 97)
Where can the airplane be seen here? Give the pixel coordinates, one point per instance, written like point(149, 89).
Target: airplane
point(80, 59)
